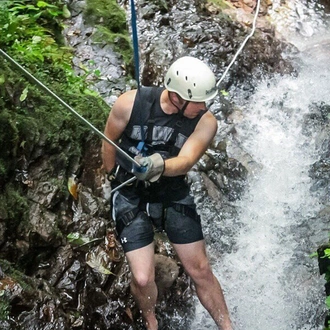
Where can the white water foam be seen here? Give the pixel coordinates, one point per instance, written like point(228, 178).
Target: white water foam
point(270, 280)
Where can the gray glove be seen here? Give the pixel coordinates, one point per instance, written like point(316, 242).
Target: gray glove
point(151, 169)
point(106, 189)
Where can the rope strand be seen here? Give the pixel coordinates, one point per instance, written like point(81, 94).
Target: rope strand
point(243, 44)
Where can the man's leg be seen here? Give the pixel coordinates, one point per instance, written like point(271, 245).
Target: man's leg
point(143, 286)
point(194, 260)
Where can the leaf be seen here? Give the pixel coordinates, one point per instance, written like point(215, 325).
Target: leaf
point(24, 94)
point(66, 12)
point(77, 239)
point(98, 259)
point(326, 253)
point(99, 267)
point(327, 301)
point(36, 39)
point(224, 93)
point(73, 187)
point(97, 73)
point(90, 92)
point(42, 4)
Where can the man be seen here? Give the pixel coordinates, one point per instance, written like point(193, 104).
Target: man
point(177, 129)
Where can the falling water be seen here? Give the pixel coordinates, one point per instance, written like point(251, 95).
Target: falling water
point(269, 278)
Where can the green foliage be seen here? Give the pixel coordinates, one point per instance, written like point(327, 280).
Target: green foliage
point(31, 122)
point(327, 302)
point(30, 30)
point(27, 34)
point(9, 137)
point(323, 254)
point(221, 4)
point(110, 20)
point(16, 204)
point(108, 14)
point(4, 306)
point(11, 271)
point(326, 253)
point(121, 42)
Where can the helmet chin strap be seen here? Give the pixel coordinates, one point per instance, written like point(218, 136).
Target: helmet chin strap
point(183, 108)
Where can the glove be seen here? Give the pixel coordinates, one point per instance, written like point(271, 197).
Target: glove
point(151, 169)
point(106, 189)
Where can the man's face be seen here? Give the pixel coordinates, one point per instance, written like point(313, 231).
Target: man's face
point(193, 109)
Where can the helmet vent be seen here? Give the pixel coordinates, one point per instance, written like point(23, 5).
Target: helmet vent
point(177, 73)
point(186, 78)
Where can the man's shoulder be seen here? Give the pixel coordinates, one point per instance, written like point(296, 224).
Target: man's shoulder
point(128, 96)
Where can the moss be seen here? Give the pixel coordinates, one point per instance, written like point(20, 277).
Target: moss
point(32, 123)
point(121, 42)
point(4, 306)
point(9, 136)
point(11, 271)
point(110, 20)
point(16, 204)
point(221, 4)
point(106, 13)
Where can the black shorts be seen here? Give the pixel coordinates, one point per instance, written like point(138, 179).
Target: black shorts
point(138, 231)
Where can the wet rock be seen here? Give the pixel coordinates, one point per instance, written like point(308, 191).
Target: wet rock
point(3, 229)
point(166, 273)
point(64, 285)
point(44, 193)
point(43, 229)
point(212, 190)
point(58, 264)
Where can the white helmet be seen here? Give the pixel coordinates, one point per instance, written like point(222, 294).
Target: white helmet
point(192, 79)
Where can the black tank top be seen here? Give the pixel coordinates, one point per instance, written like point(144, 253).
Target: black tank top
point(163, 133)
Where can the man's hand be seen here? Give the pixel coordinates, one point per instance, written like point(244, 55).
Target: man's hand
point(106, 188)
point(151, 169)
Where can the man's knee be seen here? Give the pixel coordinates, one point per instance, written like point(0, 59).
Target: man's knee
point(200, 271)
point(142, 279)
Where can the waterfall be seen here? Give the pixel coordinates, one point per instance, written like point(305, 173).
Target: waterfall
point(269, 278)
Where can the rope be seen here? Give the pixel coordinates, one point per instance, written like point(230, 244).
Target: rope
point(135, 44)
point(141, 145)
point(34, 80)
point(243, 44)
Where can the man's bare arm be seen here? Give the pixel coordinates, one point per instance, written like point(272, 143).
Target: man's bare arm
point(116, 124)
point(194, 147)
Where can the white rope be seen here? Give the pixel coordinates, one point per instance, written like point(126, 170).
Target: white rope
point(243, 44)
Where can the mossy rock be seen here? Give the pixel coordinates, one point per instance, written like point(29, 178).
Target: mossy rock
point(106, 13)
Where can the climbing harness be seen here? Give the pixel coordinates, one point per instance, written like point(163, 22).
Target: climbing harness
point(141, 146)
point(50, 93)
point(243, 44)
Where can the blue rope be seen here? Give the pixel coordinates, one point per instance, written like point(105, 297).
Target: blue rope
point(135, 44)
point(141, 146)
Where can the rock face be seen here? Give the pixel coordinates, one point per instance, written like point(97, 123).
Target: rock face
point(74, 277)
